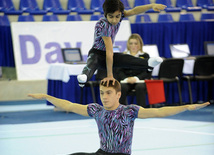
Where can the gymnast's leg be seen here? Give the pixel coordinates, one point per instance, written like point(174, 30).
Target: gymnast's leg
point(95, 60)
point(128, 61)
point(88, 70)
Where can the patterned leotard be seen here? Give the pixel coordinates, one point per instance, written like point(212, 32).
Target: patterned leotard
point(115, 127)
point(104, 28)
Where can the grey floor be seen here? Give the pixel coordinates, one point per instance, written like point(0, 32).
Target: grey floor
point(157, 136)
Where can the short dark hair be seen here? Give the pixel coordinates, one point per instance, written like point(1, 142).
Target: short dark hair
point(116, 85)
point(110, 6)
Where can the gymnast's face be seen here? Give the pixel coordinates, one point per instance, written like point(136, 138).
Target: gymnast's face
point(109, 97)
point(114, 18)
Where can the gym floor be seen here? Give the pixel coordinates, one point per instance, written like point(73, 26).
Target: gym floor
point(32, 128)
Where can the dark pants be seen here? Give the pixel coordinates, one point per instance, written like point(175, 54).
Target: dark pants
point(97, 59)
point(140, 92)
point(99, 152)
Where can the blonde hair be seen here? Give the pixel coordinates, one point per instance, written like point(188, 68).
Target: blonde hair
point(137, 37)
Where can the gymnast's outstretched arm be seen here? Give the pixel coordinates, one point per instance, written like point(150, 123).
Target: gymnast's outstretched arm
point(168, 111)
point(63, 104)
point(143, 8)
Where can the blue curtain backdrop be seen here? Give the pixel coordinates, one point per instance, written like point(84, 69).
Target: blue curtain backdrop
point(6, 47)
point(163, 34)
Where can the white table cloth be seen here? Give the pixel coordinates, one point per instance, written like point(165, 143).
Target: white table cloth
point(64, 71)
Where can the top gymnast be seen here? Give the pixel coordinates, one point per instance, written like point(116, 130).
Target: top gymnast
point(101, 54)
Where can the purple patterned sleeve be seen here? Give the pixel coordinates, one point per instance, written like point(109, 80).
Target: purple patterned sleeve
point(115, 126)
point(93, 109)
point(134, 110)
point(106, 31)
point(104, 28)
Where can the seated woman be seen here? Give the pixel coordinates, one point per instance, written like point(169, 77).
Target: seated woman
point(131, 78)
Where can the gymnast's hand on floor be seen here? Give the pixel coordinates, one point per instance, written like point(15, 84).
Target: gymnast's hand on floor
point(107, 79)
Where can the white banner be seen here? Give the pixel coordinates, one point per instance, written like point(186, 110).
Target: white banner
point(38, 44)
